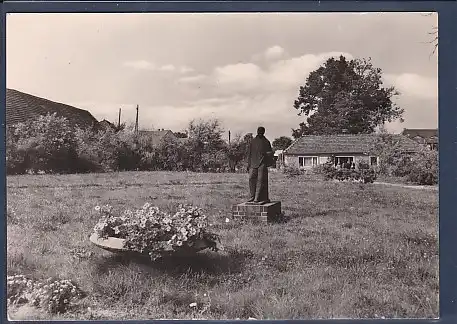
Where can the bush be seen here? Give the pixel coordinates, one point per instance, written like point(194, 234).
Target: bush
point(423, 168)
point(44, 144)
point(292, 171)
point(363, 173)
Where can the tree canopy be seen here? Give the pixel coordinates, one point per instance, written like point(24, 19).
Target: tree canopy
point(281, 143)
point(345, 96)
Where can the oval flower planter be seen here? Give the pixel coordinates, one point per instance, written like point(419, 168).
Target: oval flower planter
point(117, 245)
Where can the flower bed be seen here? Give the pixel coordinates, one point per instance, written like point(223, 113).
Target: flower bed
point(151, 231)
point(53, 296)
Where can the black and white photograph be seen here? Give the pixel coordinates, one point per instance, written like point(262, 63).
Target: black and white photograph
point(222, 166)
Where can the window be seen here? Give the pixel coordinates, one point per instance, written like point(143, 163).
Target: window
point(373, 160)
point(341, 160)
point(307, 161)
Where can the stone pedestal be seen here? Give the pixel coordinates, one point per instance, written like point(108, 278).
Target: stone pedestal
point(256, 213)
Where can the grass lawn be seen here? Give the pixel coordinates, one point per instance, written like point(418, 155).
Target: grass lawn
point(347, 250)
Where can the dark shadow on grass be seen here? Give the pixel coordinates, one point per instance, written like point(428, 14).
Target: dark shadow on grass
point(229, 262)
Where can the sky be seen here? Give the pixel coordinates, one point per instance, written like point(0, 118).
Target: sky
point(243, 69)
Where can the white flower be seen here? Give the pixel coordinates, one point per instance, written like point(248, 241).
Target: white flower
point(97, 208)
point(227, 220)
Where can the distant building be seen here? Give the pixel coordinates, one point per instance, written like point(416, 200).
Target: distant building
point(21, 107)
point(155, 137)
point(105, 125)
point(428, 137)
point(309, 151)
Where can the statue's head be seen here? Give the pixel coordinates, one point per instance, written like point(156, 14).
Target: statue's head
point(261, 130)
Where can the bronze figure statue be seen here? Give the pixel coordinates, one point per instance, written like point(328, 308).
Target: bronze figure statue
point(260, 157)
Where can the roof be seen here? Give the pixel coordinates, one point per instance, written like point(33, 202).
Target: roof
point(429, 135)
point(105, 124)
point(21, 107)
point(336, 144)
point(156, 136)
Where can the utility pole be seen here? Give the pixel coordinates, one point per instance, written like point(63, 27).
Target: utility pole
point(229, 137)
point(136, 121)
point(119, 121)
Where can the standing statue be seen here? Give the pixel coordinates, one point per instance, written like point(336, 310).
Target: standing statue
point(260, 157)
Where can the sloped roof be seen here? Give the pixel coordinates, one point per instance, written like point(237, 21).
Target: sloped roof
point(337, 144)
point(429, 135)
point(105, 124)
point(21, 107)
point(156, 136)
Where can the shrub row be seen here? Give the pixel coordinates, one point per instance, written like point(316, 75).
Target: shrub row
point(49, 144)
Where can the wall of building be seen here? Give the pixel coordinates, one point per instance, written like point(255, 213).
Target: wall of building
point(293, 160)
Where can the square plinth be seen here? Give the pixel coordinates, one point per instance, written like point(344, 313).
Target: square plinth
point(264, 213)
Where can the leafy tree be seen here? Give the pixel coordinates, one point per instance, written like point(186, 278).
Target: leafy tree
point(343, 96)
point(205, 140)
point(237, 150)
point(281, 143)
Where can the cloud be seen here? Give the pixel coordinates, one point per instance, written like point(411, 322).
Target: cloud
point(140, 65)
point(193, 78)
point(168, 67)
point(414, 85)
point(185, 69)
point(246, 75)
point(274, 52)
point(147, 65)
point(250, 78)
point(270, 54)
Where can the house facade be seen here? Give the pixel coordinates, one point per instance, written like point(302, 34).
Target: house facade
point(310, 151)
point(428, 137)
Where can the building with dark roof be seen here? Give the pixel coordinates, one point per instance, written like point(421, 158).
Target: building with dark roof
point(21, 107)
point(311, 150)
point(156, 137)
point(428, 137)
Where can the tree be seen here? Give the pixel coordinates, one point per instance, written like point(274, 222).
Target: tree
point(344, 95)
point(238, 149)
point(281, 143)
point(205, 142)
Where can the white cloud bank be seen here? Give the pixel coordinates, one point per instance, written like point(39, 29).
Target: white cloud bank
point(147, 65)
point(414, 85)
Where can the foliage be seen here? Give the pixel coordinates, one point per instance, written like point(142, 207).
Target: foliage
point(237, 151)
point(363, 172)
point(392, 160)
point(43, 144)
point(54, 296)
point(107, 150)
point(281, 143)
point(419, 168)
point(180, 134)
point(423, 168)
point(152, 231)
point(292, 171)
point(345, 95)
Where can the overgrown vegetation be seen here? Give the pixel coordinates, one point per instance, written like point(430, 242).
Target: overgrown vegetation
point(420, 167)
point(346, 250)
point(363, 173)
point(49, 144)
